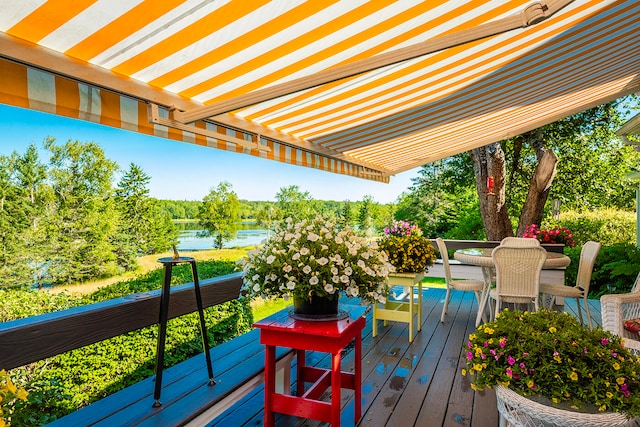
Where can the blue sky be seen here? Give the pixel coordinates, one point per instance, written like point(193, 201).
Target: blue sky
point(183, 171)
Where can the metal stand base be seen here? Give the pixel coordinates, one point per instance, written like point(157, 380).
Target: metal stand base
point(168, 263)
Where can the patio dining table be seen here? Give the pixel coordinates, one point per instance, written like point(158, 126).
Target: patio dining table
point(482, 257)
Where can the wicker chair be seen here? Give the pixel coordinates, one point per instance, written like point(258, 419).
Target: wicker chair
point(518, 263)
point(615, 310)
point(461, 285)
point(580, 291)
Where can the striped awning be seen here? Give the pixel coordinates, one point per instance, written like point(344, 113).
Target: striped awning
point(365, 88)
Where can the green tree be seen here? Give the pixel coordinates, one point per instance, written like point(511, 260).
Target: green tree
point(267, 215)
point(347, 217)
point(295, 204)
point(144, 226)
point(525, 167)
point(82, 218)
point(219, 215)
point(580, 153)
point(23, 192)
point(366, 215)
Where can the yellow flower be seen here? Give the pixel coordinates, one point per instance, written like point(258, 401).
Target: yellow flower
point(555, 400)
point(609, 395)
point(488, 330)
point(530, 384)
point(472, 337)
point(473, 387)
point(22, 394)
point(553, 330)
point(464, 372)
point(574, 376)
point(477, 367)
point(620, 381)
point(616, 366)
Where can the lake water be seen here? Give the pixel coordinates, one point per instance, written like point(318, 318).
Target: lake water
point(248, 235)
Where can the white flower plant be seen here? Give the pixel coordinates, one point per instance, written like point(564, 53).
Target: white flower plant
point(315, 258)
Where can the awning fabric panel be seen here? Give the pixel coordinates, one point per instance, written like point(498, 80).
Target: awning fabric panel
point(27, 87)
point(373, 124)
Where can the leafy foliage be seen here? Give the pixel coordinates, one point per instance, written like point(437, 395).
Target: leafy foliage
point(607, 226)
point(61, 223)
point(9, 394)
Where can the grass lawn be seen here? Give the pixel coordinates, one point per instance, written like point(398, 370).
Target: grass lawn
point(434, 282)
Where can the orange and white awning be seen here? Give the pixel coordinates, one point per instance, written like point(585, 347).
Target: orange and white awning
point(365, 88)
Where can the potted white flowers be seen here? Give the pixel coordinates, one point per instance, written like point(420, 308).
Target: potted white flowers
point(314, 261)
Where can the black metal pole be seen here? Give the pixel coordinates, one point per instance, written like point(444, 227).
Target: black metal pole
point(162, 330)
point(203, 325)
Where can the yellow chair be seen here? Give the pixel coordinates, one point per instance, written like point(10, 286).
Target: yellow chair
point(475, 286)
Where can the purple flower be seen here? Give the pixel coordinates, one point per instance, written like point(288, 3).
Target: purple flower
point(604, 341)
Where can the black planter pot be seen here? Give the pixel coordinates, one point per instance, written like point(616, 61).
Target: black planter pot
point(317, 308)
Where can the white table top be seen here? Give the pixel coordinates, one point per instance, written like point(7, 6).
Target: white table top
point(482, 257)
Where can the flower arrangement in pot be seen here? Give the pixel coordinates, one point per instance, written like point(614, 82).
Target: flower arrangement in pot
point(315, 260)
point(558, 234)
point(408, 250)
point(551, 358)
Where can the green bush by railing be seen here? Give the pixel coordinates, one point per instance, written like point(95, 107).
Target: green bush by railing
point(618, 262)
point(607, 226)
point(62, 384)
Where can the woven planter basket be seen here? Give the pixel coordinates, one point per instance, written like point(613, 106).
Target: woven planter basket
point(516, 411)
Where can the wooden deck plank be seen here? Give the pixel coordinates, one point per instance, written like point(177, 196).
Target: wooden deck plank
point(407, 384)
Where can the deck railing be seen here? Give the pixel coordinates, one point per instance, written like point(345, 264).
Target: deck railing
point(28, 340)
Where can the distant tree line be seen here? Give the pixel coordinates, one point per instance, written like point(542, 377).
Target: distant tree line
point(64, 221)
point(221, 212)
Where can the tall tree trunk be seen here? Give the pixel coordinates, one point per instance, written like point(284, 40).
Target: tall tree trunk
point(533, 208)
point(489, 162)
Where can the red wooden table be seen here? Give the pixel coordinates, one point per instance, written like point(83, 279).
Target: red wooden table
point(322, 336)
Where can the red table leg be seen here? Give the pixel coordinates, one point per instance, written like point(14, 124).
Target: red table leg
point(269, 384)
point(357, 381)
point(301, 363)
point(336, 387)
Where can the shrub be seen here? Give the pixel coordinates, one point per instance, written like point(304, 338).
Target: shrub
point(607, 226)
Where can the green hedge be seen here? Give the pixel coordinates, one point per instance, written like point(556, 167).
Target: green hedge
point(62, 384)
point(618, 262)
point(607, 226)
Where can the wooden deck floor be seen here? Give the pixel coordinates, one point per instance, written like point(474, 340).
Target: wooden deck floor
point(406, 384)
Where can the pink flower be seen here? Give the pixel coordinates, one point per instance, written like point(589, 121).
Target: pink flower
point(603, 341)
point(469, 355)
point(510, 360)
